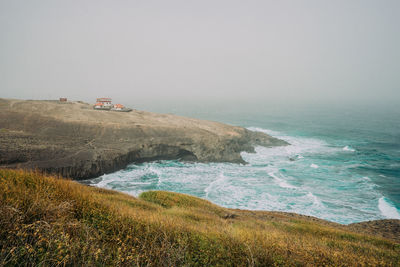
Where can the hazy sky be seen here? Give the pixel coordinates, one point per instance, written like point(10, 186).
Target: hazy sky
point(194, 52)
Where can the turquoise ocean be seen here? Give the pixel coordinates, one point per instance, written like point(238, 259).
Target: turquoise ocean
point(341, 165)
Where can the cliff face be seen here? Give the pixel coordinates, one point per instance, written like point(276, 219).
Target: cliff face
point(76, 141)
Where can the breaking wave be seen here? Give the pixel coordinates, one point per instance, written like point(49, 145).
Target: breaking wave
point(387, 209)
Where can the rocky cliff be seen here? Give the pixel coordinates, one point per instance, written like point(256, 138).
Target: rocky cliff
point(76, 141)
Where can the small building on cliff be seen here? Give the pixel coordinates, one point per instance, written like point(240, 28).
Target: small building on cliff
point(103, 103)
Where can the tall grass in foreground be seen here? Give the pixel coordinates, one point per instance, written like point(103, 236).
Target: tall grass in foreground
point(48, 221)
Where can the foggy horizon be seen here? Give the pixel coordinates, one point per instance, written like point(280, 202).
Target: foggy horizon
point(189, 53)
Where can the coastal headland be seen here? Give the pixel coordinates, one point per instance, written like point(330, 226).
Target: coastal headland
point(73, 140)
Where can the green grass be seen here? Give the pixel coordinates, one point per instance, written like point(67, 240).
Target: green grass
point(50, 221)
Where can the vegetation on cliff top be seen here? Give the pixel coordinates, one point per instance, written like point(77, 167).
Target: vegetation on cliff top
point(46, 221)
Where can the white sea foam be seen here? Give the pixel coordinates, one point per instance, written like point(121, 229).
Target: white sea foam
point(298, 145)
point(348, 148)
point(387, 209)
point(220, 181)
point(103, 183)
point(314, 166)
point(315, 199)
point(280, 181)
point(158, 174)
point(106, 180)
point(154, 170)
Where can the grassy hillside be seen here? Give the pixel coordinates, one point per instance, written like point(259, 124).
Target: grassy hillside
point(47, 221)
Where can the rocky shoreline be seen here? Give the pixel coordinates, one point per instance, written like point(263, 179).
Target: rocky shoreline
point(73, 140)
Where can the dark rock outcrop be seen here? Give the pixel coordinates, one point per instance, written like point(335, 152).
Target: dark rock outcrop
point(76, 141)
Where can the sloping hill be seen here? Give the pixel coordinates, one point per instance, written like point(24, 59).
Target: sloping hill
point(48, 221)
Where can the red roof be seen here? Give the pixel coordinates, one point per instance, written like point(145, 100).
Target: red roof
point(104, 99)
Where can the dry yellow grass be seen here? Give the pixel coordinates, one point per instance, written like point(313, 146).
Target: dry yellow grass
point(48, 221)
